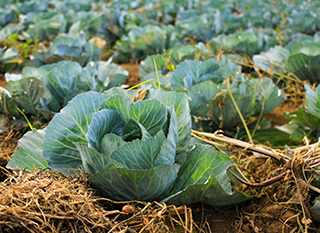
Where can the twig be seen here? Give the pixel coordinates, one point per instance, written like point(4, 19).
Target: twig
point(264, 183)
point(251, 147)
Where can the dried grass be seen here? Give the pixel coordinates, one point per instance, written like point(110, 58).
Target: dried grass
point(44, 201)
point(8, 144)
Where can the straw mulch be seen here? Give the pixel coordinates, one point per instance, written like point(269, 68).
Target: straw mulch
point(8, 143)
point(44, 201)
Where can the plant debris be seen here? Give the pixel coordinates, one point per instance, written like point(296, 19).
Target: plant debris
point(45, 201)
point(42, 201)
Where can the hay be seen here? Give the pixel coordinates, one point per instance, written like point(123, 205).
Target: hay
point(8, 144)
point(44, 201)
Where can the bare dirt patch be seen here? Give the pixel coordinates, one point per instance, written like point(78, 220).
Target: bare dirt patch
point(276, 117)
point(134, 76)
point(3, 82)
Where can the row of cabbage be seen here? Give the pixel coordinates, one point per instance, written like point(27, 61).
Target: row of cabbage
point(141, 28)
point(142, 150)
point(43, 91)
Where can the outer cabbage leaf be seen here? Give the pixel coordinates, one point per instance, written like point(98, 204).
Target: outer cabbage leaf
point(306, 67)
point(272, 60)
point(124, 184)
point(47, 28)
point(249, 42)
point(7, 16)
point(38, 73)
point(27, 94)
point(301, 57)
point(190, 73)
point(203, 178)
point(28, 154)
point(111, 75)
point(266, 93)
point(8, 59)
point(219, 108)
point(202, 96)
point(155, 79)
point(313, 100)
point(315, 209)
point(68, 127)
point(62, 81)
point(6, 104)
point(303, 124)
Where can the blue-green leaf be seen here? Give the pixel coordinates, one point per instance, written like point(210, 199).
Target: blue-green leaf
point(315, 209)
point(190, 73)
point(202, 177)
point(63, 79)
point(168, 150)
point(28, 154)
point(120, 104)
point(139, 154)
point(150, 113)
point(92, 160)
point(68, 127)
point(103, 122)
point(109, 143)
point(144, 185)
point(181, 107)
point(27, 92)
point(313, 100)
point(111, 75)
point(266, 93)
point(134, 130)
point(202, 96)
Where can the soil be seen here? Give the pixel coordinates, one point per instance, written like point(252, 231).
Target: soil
point(3, 82)
point(276, 117)
point(266, 213)
point(134, 76)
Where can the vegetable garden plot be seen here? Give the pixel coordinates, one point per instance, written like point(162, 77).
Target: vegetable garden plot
point(192, 57)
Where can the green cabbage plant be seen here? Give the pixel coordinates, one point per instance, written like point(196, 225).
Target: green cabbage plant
point(189, 72)
point(131, 150)
point(305, 122)
point(143, 41)
point(69, 48)
point(300, 57)
point(41, 92)
point(9, 59)
point(249, 42)
point(44, 26)
point(171, 58)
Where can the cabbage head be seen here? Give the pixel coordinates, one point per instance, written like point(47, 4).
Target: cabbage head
point(129, 149)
